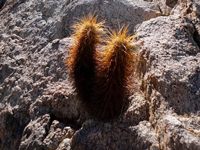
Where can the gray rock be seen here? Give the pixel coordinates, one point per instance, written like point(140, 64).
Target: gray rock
point(166, 6)
point(171, 79)
point(191, 9)
point(35, 132)
point(172, 62)
point(42, 133)
point(179, 132)
point(169, 7)
point(32, 57)
point(97, 135)
point(64, 145)
point(39, 108)
point(2, 2)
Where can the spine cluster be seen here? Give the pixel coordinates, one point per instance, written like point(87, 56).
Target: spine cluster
point(101, 78)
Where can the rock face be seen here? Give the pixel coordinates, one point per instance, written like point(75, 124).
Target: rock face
point(39, 108)
point(171, 80)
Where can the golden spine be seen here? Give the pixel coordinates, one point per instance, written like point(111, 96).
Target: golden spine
point(82, 55)
point(111, 86)
point(101, 78)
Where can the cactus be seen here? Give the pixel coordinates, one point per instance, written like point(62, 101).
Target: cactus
point(82, 55)
point(114, 74)
point(101, 77)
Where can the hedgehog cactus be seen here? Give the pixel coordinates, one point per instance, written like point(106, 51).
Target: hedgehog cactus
point(111, 86)
point(101, 78)
point(82, 55)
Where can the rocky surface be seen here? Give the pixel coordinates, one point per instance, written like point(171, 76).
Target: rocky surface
point(39, 108)
point(171, 80)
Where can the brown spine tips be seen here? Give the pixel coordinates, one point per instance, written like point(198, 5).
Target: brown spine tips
point(82, 55)
point(116, 68)
point(101, 78)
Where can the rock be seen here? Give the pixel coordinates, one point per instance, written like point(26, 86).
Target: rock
point(165, 6)
point(38, 106)
point(112, 11)
point(171, 79)
point(179, 132)
point(59, 101)
point(173, 70)
point(97, 135)
point(42, 133)
point(2, 2)
point(169, 7)
point(190, 9)
point(40, 22)
point(35, 132)
point(33, 49)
